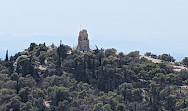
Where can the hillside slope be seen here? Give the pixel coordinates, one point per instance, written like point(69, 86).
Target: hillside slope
point(51, 78)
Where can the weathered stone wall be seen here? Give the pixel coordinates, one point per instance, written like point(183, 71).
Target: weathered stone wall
point(83, 41)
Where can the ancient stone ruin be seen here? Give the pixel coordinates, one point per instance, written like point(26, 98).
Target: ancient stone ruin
point(83, 41)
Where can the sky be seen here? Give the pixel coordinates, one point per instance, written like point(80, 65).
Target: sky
point(157, 26)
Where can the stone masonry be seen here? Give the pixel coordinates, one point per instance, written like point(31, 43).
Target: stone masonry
point(83, 41)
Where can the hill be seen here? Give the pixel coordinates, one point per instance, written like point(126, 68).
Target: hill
point(176, 66)
point(57, 78)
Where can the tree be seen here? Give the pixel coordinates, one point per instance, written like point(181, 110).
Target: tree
point(120, 107)
point(6, 58)
point(63, 105)
point(135, 54)
point(167, 57)
point(14, 104)
point(23, 93)
point(148, 54)
point(32, 46)
point(42, 57)
point(110, 52)
point(107, 107)
point(98, 107)
point(98, 80)
point(185, 61)
point(27, 107)
point(62, 52)
point(58, 94)
point(154, 56)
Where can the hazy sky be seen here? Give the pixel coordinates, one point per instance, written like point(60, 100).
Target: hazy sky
point(159, 26)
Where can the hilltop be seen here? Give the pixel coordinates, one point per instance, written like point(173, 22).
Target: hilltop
point(57, 78)
point(176, 66)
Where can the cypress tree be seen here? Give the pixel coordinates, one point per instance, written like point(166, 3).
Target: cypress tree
point(44, 44)
point(6, 58)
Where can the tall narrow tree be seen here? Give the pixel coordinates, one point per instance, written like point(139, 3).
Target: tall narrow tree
point(6, 58)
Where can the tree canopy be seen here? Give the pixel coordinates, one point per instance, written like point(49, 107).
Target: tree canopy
point(57, 78)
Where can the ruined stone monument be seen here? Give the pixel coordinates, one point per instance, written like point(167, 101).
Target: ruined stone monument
point(83, 41)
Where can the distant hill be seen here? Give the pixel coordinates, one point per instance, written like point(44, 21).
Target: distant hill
point(57, 78)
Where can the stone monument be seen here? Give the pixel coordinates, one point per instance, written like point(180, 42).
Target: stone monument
point(83, 41)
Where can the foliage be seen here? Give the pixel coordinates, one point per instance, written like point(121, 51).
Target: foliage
point(185, 61)
point(167, 57)
point(61, 79)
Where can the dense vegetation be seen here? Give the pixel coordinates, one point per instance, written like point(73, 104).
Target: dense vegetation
point(54, 78)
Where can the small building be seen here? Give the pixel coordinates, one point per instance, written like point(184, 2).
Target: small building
point(83, 41)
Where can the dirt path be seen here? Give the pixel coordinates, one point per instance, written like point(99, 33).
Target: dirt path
point(176, 68)
point(152, 59)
